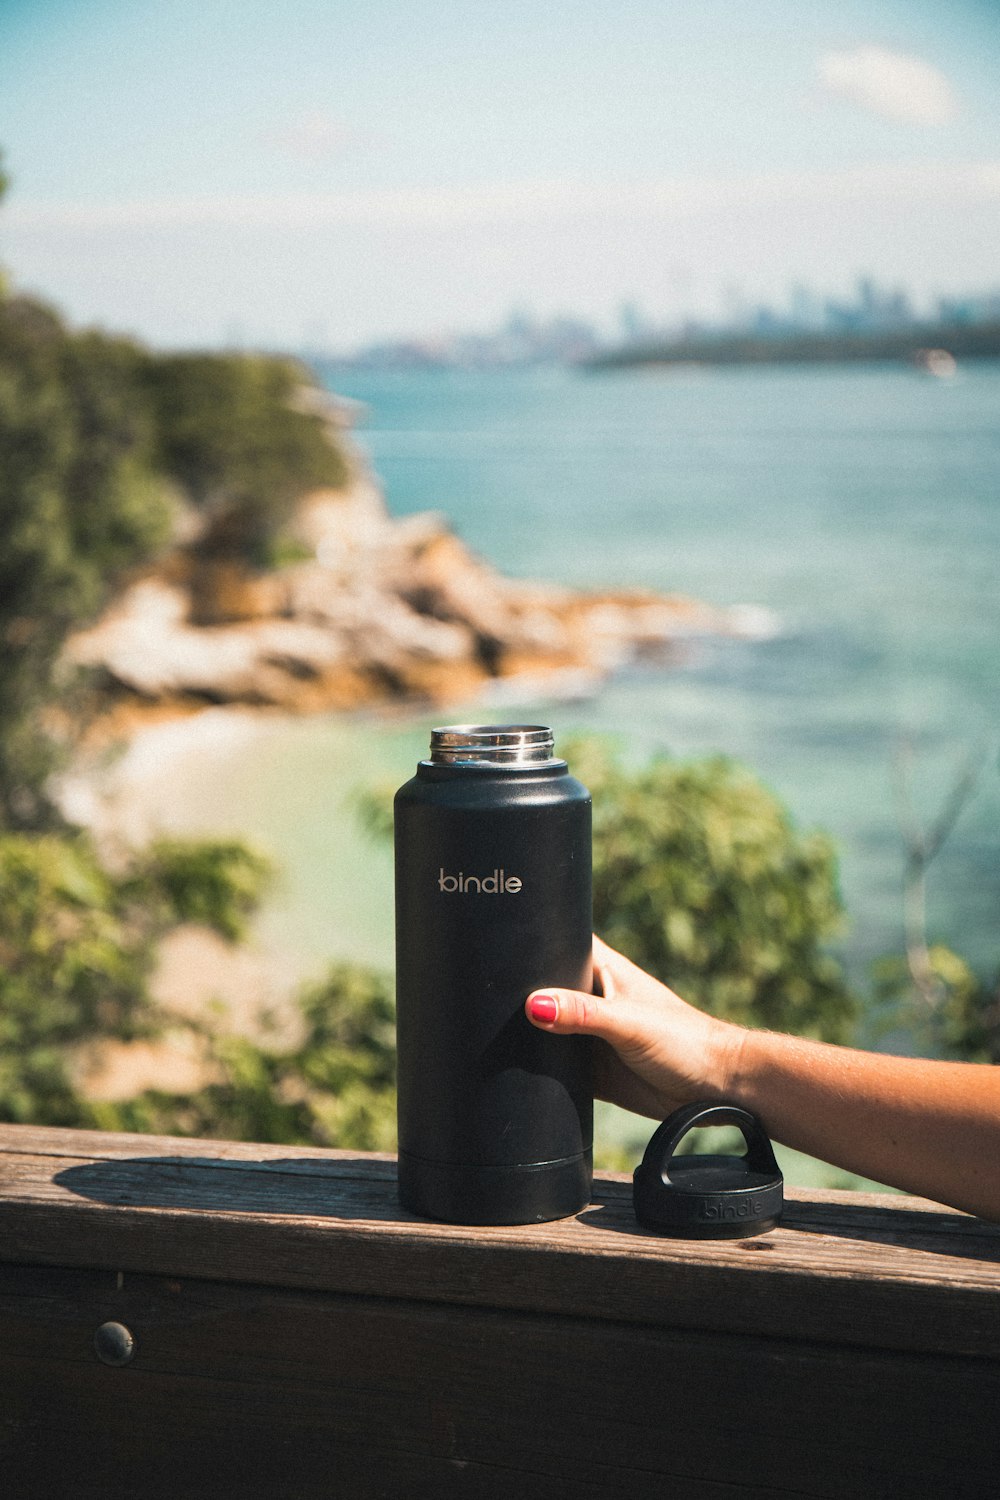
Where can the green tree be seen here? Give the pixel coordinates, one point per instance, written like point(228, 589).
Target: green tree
point(333, 1087)
point(77, 947)
point(77, 950)
point(216, 882)
point(234, 431)
point(700, 877)
point(79, 505)
point(960, 1018)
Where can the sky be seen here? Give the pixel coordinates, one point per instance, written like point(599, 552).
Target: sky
point(326, 173)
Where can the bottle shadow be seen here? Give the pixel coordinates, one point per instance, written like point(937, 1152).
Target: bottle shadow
point(347, 1188)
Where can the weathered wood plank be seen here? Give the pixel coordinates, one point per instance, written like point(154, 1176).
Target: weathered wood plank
point(874, 1270)
point(298, 1334)
point(262, 1391)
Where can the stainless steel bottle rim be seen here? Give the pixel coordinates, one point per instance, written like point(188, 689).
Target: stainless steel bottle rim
point(491, 744)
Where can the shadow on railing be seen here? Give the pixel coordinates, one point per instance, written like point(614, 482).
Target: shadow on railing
point(292, 1185)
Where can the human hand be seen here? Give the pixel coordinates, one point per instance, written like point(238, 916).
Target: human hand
point(653, 1052)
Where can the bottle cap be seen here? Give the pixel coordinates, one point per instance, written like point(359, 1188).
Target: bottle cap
point(708, 1197)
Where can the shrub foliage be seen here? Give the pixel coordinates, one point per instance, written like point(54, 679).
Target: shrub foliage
point(333, 1087)
point(700, 877)
point(77, 947)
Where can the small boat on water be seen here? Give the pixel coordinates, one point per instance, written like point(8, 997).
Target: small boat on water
point(937, 362)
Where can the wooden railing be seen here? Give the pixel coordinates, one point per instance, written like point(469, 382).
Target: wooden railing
point(194, 1318)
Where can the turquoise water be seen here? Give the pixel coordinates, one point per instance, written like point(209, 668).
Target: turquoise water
point(861, 505)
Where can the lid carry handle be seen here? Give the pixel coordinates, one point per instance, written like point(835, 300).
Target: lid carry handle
point(664, 1142)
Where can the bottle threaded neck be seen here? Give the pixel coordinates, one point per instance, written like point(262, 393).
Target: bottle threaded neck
point(491, 744)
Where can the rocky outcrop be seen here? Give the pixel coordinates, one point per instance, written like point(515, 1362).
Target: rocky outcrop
point(378, 609)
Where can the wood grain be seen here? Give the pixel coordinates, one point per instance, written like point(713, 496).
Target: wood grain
point(264, 1391)
point(880, 1270)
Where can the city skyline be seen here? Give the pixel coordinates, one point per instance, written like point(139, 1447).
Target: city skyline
point(182, 171)
point(524, 337)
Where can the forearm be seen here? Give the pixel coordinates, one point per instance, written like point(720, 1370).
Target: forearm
point(931, 1128)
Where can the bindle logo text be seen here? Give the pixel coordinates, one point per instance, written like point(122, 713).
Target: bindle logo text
point(496, 883)
point(748, 1209)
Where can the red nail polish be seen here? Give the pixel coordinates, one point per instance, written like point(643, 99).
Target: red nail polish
point(543, 1008)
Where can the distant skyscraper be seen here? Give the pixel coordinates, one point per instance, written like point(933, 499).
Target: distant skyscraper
point(633, 323)
point(805, 309)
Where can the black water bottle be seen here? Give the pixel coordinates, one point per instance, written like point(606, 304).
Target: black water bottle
point(493, 900)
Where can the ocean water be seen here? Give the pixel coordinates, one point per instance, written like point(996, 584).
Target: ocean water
point(860, 506)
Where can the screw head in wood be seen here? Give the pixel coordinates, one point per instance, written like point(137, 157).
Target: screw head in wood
point(114, 1344)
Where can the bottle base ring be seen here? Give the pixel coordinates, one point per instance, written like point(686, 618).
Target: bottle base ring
point(460, 1193)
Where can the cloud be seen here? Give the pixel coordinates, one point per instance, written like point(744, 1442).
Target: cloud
point(543, 202)
point(315, 134)
point(895, 85)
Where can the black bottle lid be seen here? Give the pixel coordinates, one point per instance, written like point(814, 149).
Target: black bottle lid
point(708, 1197)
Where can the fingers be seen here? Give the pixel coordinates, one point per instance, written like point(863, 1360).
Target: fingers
point(613, 971)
